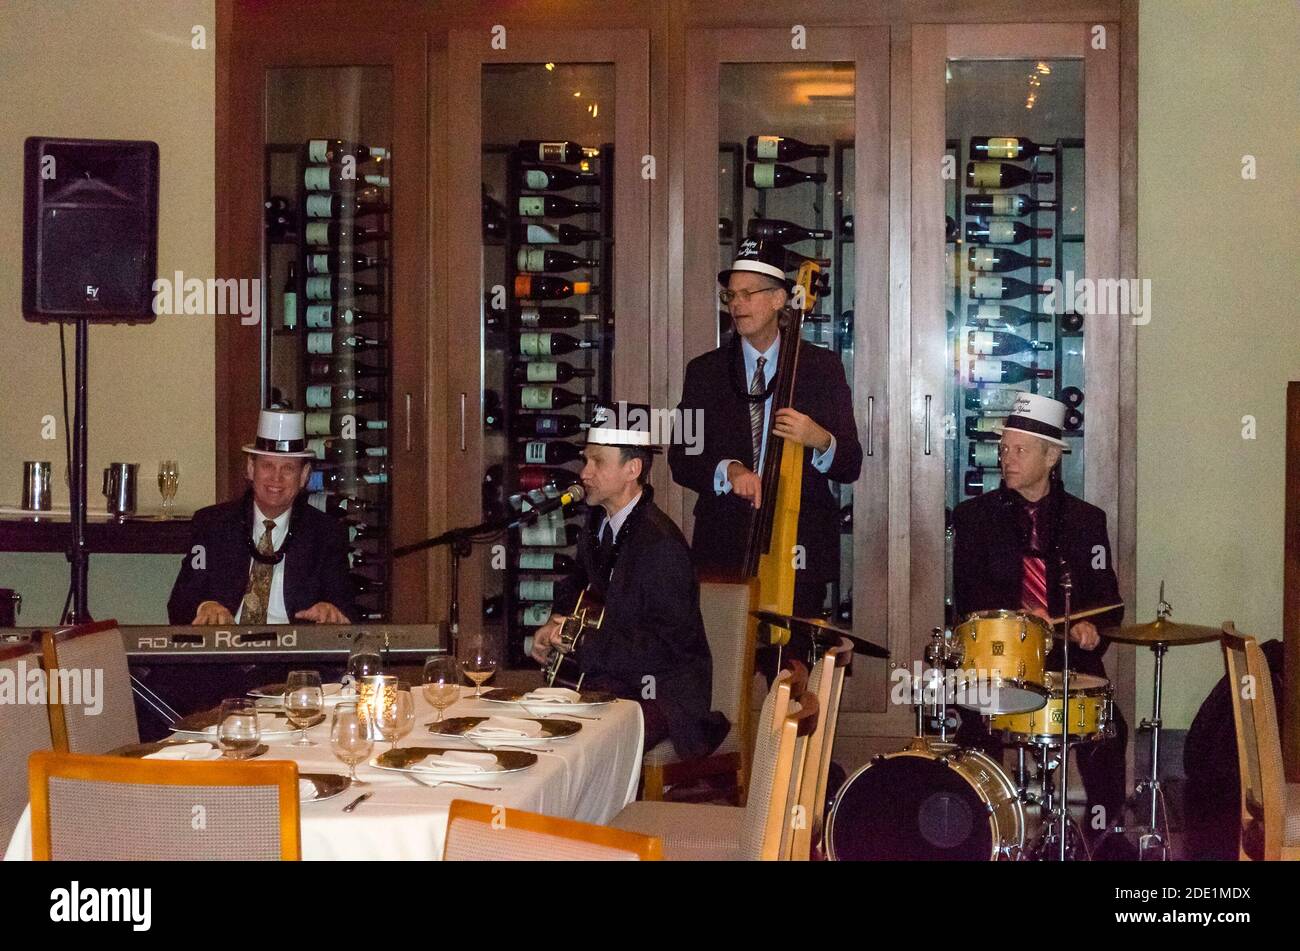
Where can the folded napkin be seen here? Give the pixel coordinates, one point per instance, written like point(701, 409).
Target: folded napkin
point(458, 761)
point(306, 790)
point(552, 695)
point(187, 751)
point(506, 727)
point(266, 723)
point(332, 690)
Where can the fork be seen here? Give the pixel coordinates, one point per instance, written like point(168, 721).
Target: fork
point(448, 782)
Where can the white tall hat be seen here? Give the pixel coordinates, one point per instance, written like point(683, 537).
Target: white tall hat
point(281, 432)
point(1039, 416)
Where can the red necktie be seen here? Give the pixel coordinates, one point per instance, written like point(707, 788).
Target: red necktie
point(1033, 578)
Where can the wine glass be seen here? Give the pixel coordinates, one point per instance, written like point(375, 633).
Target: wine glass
point(365, 660)
point(405, 712)
point(350, 738)
point(238, 733)
point(479, 655)
point(304, 702)
point(169, 477)
point(442, 676)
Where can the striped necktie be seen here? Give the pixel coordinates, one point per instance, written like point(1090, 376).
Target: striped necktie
point(258, 593)
point(1033, 578)
point(757, 387)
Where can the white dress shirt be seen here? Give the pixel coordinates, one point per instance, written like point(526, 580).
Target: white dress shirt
point(275, 610)
point(615, 521)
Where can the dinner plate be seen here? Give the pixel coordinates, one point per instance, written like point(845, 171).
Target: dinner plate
point(326, 785)
point(275, 692)
point(590, 699)
point(204, 724)
point(460, 726)
point(401, 760)
point(141, 750)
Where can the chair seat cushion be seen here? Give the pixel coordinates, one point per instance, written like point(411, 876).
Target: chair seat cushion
point(665, 754)
point(1291, 827)
point(690, 833)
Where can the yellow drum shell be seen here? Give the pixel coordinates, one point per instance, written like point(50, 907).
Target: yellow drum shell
point(1008, 647)
point(1090, 713)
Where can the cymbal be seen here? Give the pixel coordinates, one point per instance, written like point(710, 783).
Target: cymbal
point(1165, 631)
point(821, 631)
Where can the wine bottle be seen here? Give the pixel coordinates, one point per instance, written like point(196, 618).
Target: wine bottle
point(1005, 371)
point(330, 234)
point(324, 342)
point(323, 370)
point(548, 371)
point(358, 558)
point(977, 483)
point(546, 536)
point(949, 228)
point(1002, 175)
point(325, 316)
point(549, 397)
point(550, 425)
point(546, 287)
point(365, 532)
point(329, 178)
point(779, 176)
point(333, 287)
point(339, 478)
point(1073, 420)
point(533, 344)
point(986, 287)
point(331, 424)
point(1006, 205)
point(793, 260)
point(537, 259)
point(724, 229)
point(846, 519)
point(494, 215)
point(1007, 147)
point(323, 151)
point(546, 318)
point(331, 262)
point(545, 561)
point(1002, 231)
point(558, 234)
point(783, 232)
point(365, 201)
point(291, 298)
point(325, 395)
point(1071, 396)
point(565, 152)
point(984, 455)
point(332, 447)
point(340, 504)
point(364, 586)
point(553, 178)
point(780, 148)
point(846, 227)
point(279, 218)
point(844, 613)
point(999, 343)
point(493, 412)
point(992, 400)
point(984, 427)
point(529, 478)
point(554, 206)
point(540, 452)
point(1071, 323)
point(999, 260)
point(535, 589)
point(1007, 314)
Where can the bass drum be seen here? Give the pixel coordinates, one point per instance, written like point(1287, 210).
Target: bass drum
point(930, 802)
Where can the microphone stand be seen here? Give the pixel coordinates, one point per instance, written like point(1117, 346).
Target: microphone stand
point(1066, 587)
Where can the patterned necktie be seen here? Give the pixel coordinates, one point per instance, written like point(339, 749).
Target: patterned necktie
point(258, 593)
point(1033, 577)
point(757, 387)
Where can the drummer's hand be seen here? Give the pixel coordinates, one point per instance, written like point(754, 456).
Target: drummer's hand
point(213, 612)
point(1042, 613)
point(322, 612)
point(1085, 635)
point(792, 424)
point(745, 484)
point(545, 638)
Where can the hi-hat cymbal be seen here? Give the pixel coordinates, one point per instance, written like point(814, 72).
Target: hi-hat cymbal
point(1164, 631)
point(820, 631)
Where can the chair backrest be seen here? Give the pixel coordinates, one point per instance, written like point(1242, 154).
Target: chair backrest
point(769, 785)
point(480, 831)
point(1259, 746)
point(114, 808)
point(725, 609)
point(88, 663)
point(805, 712)
point(24, 729)
point(827, 682)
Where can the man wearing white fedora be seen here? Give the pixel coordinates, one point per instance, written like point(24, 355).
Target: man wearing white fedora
point(268, 557)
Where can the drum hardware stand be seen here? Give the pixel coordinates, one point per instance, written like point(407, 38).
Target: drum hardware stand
point(1070, 844)
point(938, 654)
point(1152, 843)
point(1067, 585)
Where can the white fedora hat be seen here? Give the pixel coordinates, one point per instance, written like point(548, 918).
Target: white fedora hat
point(1039, 416)
point(281, 432)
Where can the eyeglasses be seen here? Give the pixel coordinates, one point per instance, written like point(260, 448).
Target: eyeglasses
point(1004, 450)
point(728, 296)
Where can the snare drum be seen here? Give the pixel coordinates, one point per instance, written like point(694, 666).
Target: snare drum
point(1004, 658)
point(1091, 709)
point(930, 801)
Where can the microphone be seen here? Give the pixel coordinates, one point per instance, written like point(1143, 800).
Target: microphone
point(574, 493)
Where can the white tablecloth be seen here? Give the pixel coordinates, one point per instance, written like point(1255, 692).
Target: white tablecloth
point(589, 776)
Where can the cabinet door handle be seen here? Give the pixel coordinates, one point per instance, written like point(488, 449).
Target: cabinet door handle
point(928, 399)
point(462, 422)
point(408, 422)
point(871, 425)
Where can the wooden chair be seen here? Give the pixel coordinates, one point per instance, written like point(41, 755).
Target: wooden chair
point(24, 729)
point(756, 831)
point(480, 831)
point(72, 654)
point(1270, 807)
point(95, 808)
point(725, 608)
point(827, 680)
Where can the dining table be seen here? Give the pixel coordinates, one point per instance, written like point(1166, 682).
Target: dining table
point(589, 775)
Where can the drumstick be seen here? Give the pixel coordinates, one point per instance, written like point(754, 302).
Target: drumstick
point(1088, 613)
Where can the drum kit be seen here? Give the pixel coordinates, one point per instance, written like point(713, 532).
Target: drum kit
point(938, 800)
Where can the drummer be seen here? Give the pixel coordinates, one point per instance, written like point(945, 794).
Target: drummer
point(1009, 548)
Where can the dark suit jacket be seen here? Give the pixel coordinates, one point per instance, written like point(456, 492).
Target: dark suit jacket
point(715, 384)
point(991, 534)
point(652, 625)
point(315, 561)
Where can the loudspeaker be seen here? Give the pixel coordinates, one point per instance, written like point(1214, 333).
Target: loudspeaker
point(90, 230)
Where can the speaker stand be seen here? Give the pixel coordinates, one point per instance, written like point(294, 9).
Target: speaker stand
point(78, 555)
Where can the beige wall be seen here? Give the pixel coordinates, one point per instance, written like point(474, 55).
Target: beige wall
point(110, 69)
point(1216, 82)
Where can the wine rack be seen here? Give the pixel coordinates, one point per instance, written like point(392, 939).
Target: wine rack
point(327, 344)
point(532, 445)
